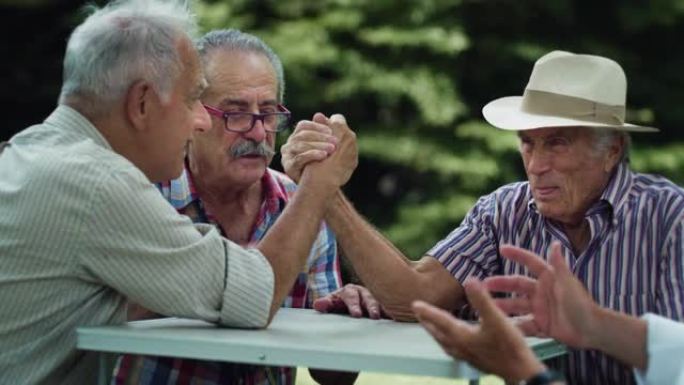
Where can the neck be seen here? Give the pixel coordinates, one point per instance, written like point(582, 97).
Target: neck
point(226, 194)
point(121, 137)
point(235, 208)
point(578, 234)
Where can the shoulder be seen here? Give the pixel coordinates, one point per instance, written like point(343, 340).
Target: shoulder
point(655, 185)
point(511, 196)
point(654, 192)
point(68, 166)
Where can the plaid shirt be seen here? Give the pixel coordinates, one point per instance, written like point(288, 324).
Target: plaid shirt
point(633, 263)
point(322, 276)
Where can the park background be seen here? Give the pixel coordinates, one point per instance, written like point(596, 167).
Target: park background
point(411, 77)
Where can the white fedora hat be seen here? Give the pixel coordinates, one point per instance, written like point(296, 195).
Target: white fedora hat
point(567, 89)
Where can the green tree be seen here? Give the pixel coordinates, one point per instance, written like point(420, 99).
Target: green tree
point(411, 78)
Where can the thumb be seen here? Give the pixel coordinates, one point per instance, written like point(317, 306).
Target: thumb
point(320, 118)
point(323, 305)
point(338, 119)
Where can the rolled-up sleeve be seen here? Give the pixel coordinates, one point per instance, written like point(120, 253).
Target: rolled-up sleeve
point(470, 249)
point(138, 245)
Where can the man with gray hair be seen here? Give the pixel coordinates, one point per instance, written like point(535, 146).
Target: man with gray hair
point(83, 228)
point(621, 232)
point(227, 182)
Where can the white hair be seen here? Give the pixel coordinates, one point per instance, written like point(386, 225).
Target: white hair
point(124, 42)
point(603, 139)
point(236, 40)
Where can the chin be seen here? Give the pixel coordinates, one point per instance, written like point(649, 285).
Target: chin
point(171, 174)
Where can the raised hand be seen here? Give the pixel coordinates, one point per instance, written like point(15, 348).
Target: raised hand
point(558, 304)
point(311, 141)
point(339, 166)
point(493, 346)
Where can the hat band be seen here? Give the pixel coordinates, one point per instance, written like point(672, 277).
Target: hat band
point(548, 103)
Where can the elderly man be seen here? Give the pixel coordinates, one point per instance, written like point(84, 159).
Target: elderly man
point(83, 229)
point(621, 232)
point(227, 182)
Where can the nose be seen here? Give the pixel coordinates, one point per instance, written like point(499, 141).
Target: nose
point(258, 131)
point(537, 162)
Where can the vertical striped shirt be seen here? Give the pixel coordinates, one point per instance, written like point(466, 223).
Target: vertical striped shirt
point(633, 263)
point(82, 229)
point(321, 276)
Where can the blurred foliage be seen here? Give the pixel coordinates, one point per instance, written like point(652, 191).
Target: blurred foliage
point(411, 77)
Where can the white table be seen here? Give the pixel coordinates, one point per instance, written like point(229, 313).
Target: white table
point(296, 337)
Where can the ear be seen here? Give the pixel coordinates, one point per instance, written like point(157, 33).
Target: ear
point(614, 154)
point(138, 103)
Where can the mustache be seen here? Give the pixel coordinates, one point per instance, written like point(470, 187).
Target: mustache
point(250, 147)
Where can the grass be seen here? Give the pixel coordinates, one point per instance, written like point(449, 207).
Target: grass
point(366, 378)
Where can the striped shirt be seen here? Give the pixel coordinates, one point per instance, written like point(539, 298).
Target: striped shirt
point(82, 230)
point(321, 277)
point(633, 262)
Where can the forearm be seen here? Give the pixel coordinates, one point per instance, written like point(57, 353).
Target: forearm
point(388, 274)
point(621, 336)
point(289, 240)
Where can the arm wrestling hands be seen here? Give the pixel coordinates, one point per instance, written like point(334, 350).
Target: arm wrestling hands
point(313, 141)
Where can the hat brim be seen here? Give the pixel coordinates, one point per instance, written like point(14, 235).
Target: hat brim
point(506, 113)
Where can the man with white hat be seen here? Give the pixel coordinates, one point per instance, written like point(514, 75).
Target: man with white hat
point(621, 233)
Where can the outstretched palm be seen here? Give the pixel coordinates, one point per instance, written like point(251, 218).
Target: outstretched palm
point(555, 303)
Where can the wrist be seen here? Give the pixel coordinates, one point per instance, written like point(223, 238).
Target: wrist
point(544, 377)
point(528, 369)
point(594, 330)
point(313, 181)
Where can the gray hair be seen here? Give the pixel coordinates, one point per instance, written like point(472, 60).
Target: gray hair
point(605, 137)
point(126, 41)
point(233, 39)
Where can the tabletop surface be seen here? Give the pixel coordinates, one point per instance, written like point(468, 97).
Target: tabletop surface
point(296, 337)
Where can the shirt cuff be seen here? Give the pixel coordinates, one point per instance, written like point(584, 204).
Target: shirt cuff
point(249, 288)
point(664, 342)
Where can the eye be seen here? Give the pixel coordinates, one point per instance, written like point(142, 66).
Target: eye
point(525, 144)
point(558, 141)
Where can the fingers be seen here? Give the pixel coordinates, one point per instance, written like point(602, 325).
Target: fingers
point(351, 296)
point(528, 326)
point(514, 306)
point(370, 303)
point(338, 119)
point(320, 118)
point(532, 261)
point(448, 331)
point(331, 303)
point(482, 301)
point(557, 260)
point(323, 305)
point(314, 125)
point(517, 284)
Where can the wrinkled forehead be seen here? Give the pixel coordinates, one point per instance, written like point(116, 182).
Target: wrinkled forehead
point(239, 75)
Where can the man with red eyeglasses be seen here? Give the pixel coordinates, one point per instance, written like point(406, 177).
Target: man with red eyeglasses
point(227, 182)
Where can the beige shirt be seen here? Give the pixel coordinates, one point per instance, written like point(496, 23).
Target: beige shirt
point(81, 230)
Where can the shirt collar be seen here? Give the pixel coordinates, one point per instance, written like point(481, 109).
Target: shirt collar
point(73, 122)
point(182, 191)
point(616, 192)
